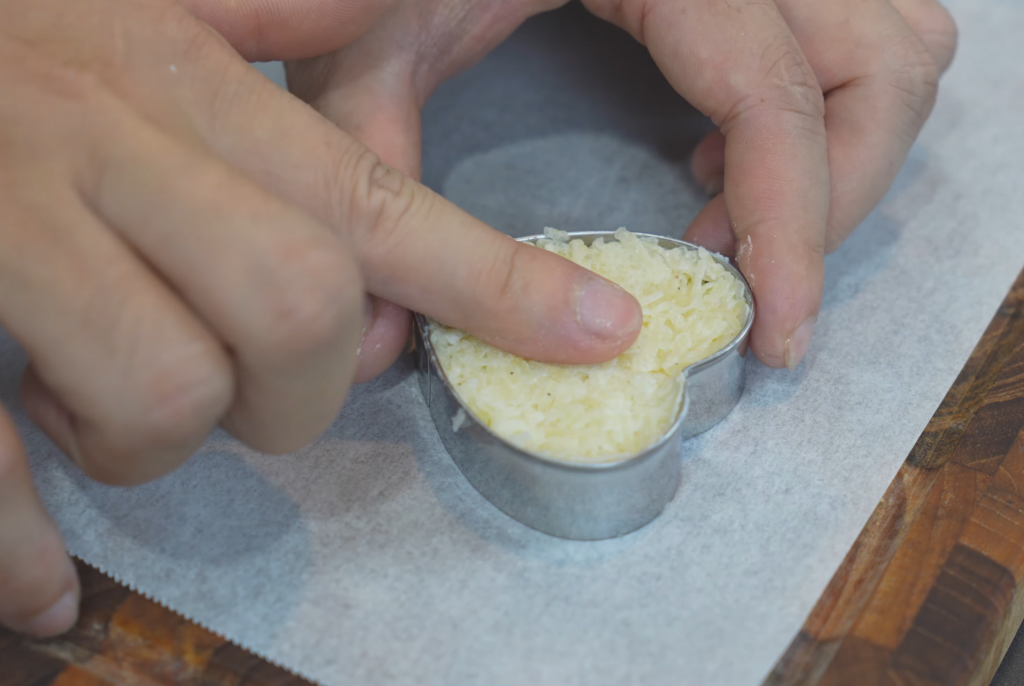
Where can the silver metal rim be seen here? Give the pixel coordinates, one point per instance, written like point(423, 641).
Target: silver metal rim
point(737, 341)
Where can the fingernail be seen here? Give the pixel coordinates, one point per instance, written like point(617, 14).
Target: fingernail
point(604, 310)
point(57, 619)
point(715, 186)
point(368, 314)
point(796, 344)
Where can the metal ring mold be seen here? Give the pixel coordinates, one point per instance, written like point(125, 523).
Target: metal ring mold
point(585, 501)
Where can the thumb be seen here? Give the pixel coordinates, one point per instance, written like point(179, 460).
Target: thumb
point(372, 100)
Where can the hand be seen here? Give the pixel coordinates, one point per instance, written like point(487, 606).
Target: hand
point(877, 63)
point(185, 245)
point(817, 104)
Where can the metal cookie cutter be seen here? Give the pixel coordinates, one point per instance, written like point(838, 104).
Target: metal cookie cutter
point(584, 501)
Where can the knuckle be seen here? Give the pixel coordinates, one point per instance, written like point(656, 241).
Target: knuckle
point(788, 85)
point(946, 34)
point(314, 297)
point(74, 84)
point(914, 77)
point(224, 75)
point(43, 71)
point(498, 279)
point(792, 81)
point(177, 380)
point(38, 118)
point(183, 396)
point(179, 25)
point(38, 128)
point(382, 202)
point(232, 93)
point(936, 28)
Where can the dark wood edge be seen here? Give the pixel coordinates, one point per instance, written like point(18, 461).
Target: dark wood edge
point(928, 594)
point(124, 638)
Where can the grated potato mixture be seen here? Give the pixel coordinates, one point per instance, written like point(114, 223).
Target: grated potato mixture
point(692, 307)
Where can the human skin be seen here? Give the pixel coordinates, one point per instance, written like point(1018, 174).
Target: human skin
point(184, 246)
point(817, 103)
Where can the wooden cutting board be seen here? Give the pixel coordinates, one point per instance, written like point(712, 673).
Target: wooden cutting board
point(927, 596)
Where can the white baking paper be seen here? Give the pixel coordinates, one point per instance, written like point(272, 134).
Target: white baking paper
point(368, 559)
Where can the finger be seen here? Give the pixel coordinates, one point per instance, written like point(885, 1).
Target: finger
point(708, 163)
point(288, 29)
point(416, 249)
point(422, 252)
point(933, 25)
point(880, 83)
point(143, 381)
point(374, 102)
point(712, 229)
point(740, 64)
point(384, 339)
point(870, 148)
point(370, 98)
point(39, 588)
point(50, 414)
point(276, 286)
point(375, 87)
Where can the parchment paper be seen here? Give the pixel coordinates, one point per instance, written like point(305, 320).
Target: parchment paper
point(368, 559)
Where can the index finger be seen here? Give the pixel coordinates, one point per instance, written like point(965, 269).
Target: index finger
point(414, 248)
point(423, 252)
point(739, 63)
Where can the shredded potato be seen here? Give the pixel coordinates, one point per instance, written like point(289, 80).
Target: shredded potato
point(692, 307)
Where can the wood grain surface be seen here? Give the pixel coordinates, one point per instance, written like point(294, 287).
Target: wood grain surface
point(927, 596)
point(122, 638)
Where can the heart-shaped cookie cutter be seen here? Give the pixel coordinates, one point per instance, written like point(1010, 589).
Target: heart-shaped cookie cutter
point(580, 500)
